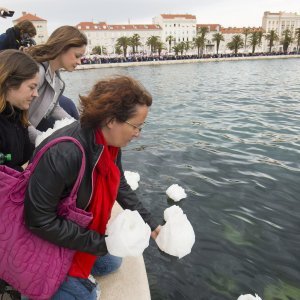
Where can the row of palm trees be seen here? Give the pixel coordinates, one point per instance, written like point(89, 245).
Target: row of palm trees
point(251, 38)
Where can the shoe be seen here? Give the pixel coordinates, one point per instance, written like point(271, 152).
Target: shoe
point(98, 291)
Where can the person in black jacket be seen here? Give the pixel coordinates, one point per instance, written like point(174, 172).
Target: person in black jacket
point(21, 35)
point(18, 86)
point(112, 114)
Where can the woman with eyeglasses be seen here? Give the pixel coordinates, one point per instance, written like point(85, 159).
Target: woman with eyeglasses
point(112, 115)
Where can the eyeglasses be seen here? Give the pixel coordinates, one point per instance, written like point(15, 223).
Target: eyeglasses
point(139, 128)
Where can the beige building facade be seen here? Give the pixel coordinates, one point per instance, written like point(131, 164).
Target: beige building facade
point(182, 27)
point(106, 36)
point(40, 25)
point(279, 22)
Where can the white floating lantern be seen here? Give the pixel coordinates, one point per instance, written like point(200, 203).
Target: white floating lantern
point(128, 234)
point(176, 192)
point(177, 236)
point(249, 297)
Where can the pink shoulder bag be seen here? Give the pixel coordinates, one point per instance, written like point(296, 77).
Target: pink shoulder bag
point(31, 265)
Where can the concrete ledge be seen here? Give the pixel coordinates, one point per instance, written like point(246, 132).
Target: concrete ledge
point(183, 61)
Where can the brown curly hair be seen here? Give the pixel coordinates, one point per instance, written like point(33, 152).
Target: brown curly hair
point(112, 98)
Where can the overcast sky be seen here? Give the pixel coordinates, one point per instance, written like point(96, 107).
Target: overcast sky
point(237, 13)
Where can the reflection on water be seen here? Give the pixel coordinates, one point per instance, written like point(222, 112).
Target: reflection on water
point(228, 133)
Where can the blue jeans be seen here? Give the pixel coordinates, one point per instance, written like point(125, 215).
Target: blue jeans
point(74, 288)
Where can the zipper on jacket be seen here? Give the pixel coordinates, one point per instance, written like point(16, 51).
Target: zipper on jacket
point(93, 177)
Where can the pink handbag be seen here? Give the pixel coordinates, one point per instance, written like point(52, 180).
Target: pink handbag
point(31, 265)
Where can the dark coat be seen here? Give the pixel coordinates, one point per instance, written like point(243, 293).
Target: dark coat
point(14, 138)
point(53, 180)
point(10, 39)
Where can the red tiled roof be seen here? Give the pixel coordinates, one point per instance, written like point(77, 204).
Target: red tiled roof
point(29, 17)
point(239, 30)
point(186, 16)
point(104, 26)
point(212, 27)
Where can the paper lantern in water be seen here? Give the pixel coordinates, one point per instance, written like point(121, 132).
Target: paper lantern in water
point(249, 297)
point(177, 236)
point(128, 234)
point(176, 192)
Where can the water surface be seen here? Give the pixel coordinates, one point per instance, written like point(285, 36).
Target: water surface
point(228, 132)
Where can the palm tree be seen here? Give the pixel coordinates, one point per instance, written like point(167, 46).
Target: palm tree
point(297, 38)
point(187, 46)
point(260, 35)
point(135, 42)
point(254, 40)
point(272, 36)
point(152, 42)
point(236, 43)
point(246, 31)
point(176, 49)
point(118, 50)
point(160, 46)
point(170, 39)
point(123, 42)
point(203, 31)
point(199, 43)
point(99, 50)
point(286, 40)
point(179, 48)
point(218, 37)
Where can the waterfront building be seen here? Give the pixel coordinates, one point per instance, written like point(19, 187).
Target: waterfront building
point(210, 46)
point(182, 28)
point(279, 22)
point(172, 29)
point(105, 35)
point(39, 23)
point(228, 34)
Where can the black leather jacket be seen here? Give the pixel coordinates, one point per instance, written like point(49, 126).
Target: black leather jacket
point(53, 179)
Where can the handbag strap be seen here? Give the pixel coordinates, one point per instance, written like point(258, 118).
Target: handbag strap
point(53, 142)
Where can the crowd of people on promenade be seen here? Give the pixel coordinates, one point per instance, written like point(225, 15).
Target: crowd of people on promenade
point(112, 114)
point(141, 57)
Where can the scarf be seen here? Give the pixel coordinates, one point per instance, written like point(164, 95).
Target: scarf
point(106, 185)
